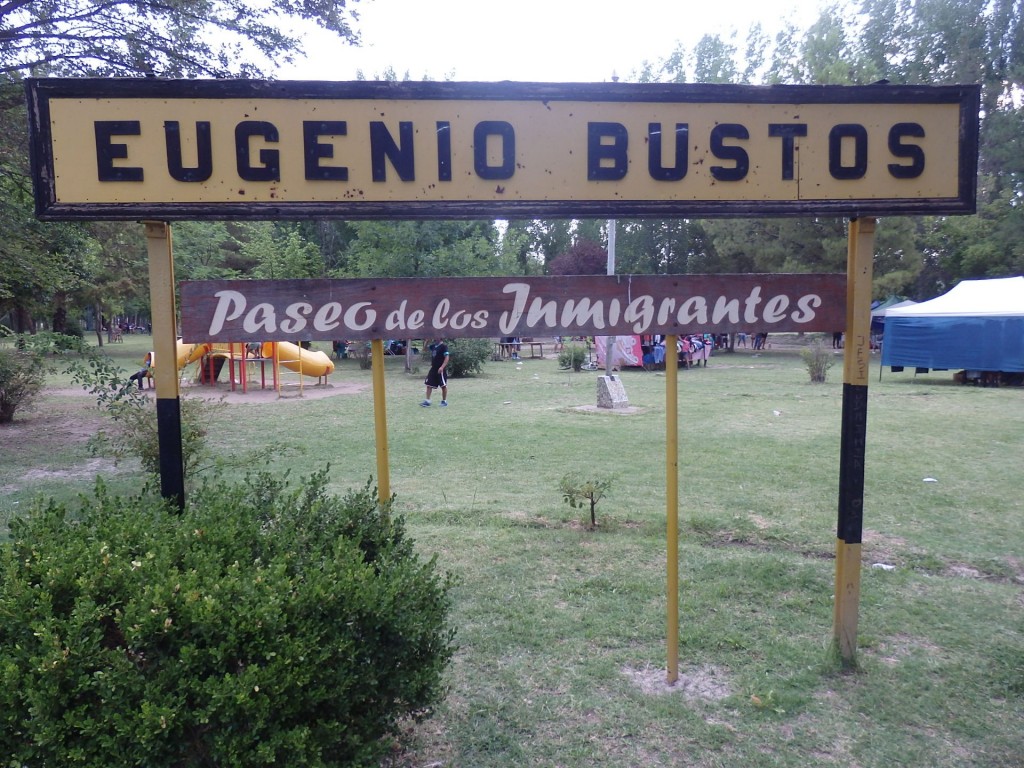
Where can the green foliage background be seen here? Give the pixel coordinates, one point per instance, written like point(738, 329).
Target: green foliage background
point(53, 271)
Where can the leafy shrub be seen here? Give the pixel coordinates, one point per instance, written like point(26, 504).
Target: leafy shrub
point(465, 356)
point(102, 378)
point(572, 356)
point(134, 433)
point(577, 490)
point(818, 360)
point(264, 625)
point(22, 376)
point(48, 342)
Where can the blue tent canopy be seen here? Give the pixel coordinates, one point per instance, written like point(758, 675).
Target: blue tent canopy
point(978, 326)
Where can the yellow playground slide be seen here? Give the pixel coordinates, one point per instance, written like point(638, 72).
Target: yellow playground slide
point(295, 358)
point(291, 356)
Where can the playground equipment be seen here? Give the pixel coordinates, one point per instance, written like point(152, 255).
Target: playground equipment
point(213, 356)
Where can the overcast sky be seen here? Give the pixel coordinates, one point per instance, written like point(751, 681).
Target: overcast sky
point(533, 40)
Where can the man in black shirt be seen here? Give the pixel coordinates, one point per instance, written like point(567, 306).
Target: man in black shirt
point(437, 376)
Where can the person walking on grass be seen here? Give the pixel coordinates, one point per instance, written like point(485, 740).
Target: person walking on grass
point(437, 376)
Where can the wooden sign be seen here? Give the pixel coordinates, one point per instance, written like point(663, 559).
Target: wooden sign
point(165, 150)
point(281, 310)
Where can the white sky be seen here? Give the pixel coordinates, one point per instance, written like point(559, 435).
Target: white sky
point(533, 40)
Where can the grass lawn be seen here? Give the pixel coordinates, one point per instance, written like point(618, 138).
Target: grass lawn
point(562, 629)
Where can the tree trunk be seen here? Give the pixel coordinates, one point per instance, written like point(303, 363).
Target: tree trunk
point(59, 321)
point(23, 320)
point(99, 324)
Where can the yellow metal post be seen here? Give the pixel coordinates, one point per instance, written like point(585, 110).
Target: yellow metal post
point(672, 506)
point(856, 362)
point(380, 419)
point(165, 349)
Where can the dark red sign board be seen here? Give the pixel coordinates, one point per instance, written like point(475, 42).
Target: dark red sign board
point(386, 308)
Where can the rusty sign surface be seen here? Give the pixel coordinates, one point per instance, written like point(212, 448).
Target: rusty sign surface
point(281, 310)
point(132, 149)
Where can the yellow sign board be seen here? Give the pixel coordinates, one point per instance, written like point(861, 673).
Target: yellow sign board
point(202, 149)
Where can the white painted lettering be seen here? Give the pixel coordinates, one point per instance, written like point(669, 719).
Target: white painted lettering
point(583, 312)
point(460, 319)
point(775, 308)
point(353, 314)
point(230, 306)
point(805, 308)
point(694, 310)
point(295, 317)
point(668, 306)
point(540, 310)
point(326, 318)
point(614, 310)
point(726, 309)
point(640, 312)
point(396, 318)
point(509, 320)
point(262, 317)
point(440, 320)
point(750, 313)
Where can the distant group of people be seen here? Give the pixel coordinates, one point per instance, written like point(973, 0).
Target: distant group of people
point(690, 350)
point(115, 330)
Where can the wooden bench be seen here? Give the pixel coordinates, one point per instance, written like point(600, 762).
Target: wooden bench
point(508, 350)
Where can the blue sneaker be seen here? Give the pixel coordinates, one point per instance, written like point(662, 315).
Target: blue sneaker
point(444, 403)
point(425, 403)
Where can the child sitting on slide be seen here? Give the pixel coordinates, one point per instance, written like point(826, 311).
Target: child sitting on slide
point(144, 372)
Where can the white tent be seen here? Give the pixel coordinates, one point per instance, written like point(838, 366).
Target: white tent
point(977, 325)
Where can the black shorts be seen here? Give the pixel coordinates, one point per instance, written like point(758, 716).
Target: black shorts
point(436, 379)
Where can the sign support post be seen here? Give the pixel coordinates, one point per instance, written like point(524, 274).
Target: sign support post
point(165, 349)
point(380, 421)
point(672, 506)
point(856, 361)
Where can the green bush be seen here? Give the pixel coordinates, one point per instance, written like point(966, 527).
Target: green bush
point(818, 360)
point(134, 433)
point(572, 356)
point(48, 342)
point(465, 356)
point(22, 375)
point(265, 625)
point(578, 490)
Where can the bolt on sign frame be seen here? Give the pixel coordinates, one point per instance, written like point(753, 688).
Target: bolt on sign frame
point(164, 150)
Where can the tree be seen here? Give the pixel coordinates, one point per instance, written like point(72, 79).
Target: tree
point(114, 272)
point(280, 252)
point(714, 61)
point(663, 247)
point(423, 249)
point(183, 38)
point(59, 266)
point(584, 257)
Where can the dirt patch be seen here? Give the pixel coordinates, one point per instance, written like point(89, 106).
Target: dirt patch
point(629, 410)
point(964, 571)
point(89, 469)
point(288, 391)
point(706, 683)
point(895, 649)
point(253, 395)
point(880, 547)
point(53, 422)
